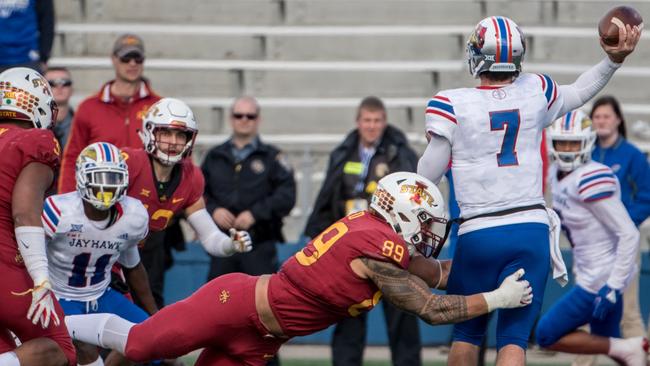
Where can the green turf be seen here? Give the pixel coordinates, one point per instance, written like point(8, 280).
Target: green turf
point(189, 360)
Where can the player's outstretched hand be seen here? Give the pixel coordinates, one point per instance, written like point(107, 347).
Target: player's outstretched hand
point(241, 240)
point(42, 309)
point(513, 293)
point(628, 37)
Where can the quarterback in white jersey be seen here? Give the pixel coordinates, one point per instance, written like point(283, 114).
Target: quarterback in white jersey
point(492, 134)
point(605, 240)
point(90, 229)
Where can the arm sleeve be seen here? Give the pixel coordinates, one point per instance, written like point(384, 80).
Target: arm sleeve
point(639, 208)
point(31, 245)
point(77, 141)
point(45, 16)
point(435, 161)
point(440, 117)
point(283, 193)
point(588, 84)
point(612, 214)
point(214, 241)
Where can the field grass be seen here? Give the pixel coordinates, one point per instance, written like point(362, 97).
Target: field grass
point(189, 360)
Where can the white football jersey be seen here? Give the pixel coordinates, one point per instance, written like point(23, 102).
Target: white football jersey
point(495, 135)
point(80, 253)
point(588, 201)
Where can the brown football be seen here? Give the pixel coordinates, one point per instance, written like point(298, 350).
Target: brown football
point(617, 17)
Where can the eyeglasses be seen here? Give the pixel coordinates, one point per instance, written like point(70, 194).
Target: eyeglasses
point(60, 82)
point(248, 116)
point(127, 59)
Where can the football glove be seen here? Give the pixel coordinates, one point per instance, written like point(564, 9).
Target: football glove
point(512, 293)
point(42, 308)
point(241, 241)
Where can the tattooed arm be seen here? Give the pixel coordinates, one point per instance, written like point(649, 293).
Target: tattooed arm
point(410, 293)
point(434, 272)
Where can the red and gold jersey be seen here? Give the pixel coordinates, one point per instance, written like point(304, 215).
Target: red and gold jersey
point(142, 186)
point(317, 287)
point(19, 147)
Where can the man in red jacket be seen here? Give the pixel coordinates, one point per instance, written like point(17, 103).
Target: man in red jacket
point(115, 113)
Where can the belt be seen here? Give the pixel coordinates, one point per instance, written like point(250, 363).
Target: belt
point(509, 211)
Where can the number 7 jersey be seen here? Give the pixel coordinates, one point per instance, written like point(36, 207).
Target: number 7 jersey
point(495, 135)
point(81, 254)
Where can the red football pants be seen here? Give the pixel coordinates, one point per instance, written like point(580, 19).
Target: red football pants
point(220, 317)
point(13, 313)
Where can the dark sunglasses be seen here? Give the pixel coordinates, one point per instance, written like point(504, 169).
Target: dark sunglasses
point(60, 82)
point(126, 59)
point(242, 115)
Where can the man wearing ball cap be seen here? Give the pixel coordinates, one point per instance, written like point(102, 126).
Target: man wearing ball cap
point(494, 131)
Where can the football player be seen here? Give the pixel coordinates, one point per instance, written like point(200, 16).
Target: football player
point(163, 176)
point(491, 134)
point(587, 196)
point(90, 229)
point(29, 154)
point(343, 272)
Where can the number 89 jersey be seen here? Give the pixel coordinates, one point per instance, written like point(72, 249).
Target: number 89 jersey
point(80, 253)
point(317, 287)
point(495, 134)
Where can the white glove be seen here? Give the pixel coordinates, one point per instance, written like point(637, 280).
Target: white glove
point(42, 307)
point(512, 293)
point(241, 241)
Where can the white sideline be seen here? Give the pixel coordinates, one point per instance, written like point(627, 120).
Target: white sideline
point(342, 66)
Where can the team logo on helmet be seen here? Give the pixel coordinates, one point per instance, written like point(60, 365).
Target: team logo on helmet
point(415, 209)
point(477, 39)
point(102, 175)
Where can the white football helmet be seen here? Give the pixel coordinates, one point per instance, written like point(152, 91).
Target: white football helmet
point(25, 95)
point(415, 209)
point(497, 45)
point(168, 113)
point(102, 175)
point(573, 126)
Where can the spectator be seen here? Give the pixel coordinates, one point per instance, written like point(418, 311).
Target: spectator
point(371, 151)
point(114, 114)
point(27, 33)
point(631, 168)
point(61, 82)
point(248, 186)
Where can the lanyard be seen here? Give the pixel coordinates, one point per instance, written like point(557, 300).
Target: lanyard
point(366, 157)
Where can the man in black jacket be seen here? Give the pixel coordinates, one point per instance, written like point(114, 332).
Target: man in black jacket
point(373, 150)
point(248, 186)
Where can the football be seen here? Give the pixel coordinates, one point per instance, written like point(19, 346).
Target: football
point(615, 18)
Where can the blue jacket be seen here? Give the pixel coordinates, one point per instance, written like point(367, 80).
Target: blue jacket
point(631, 168)
point(27, 31)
